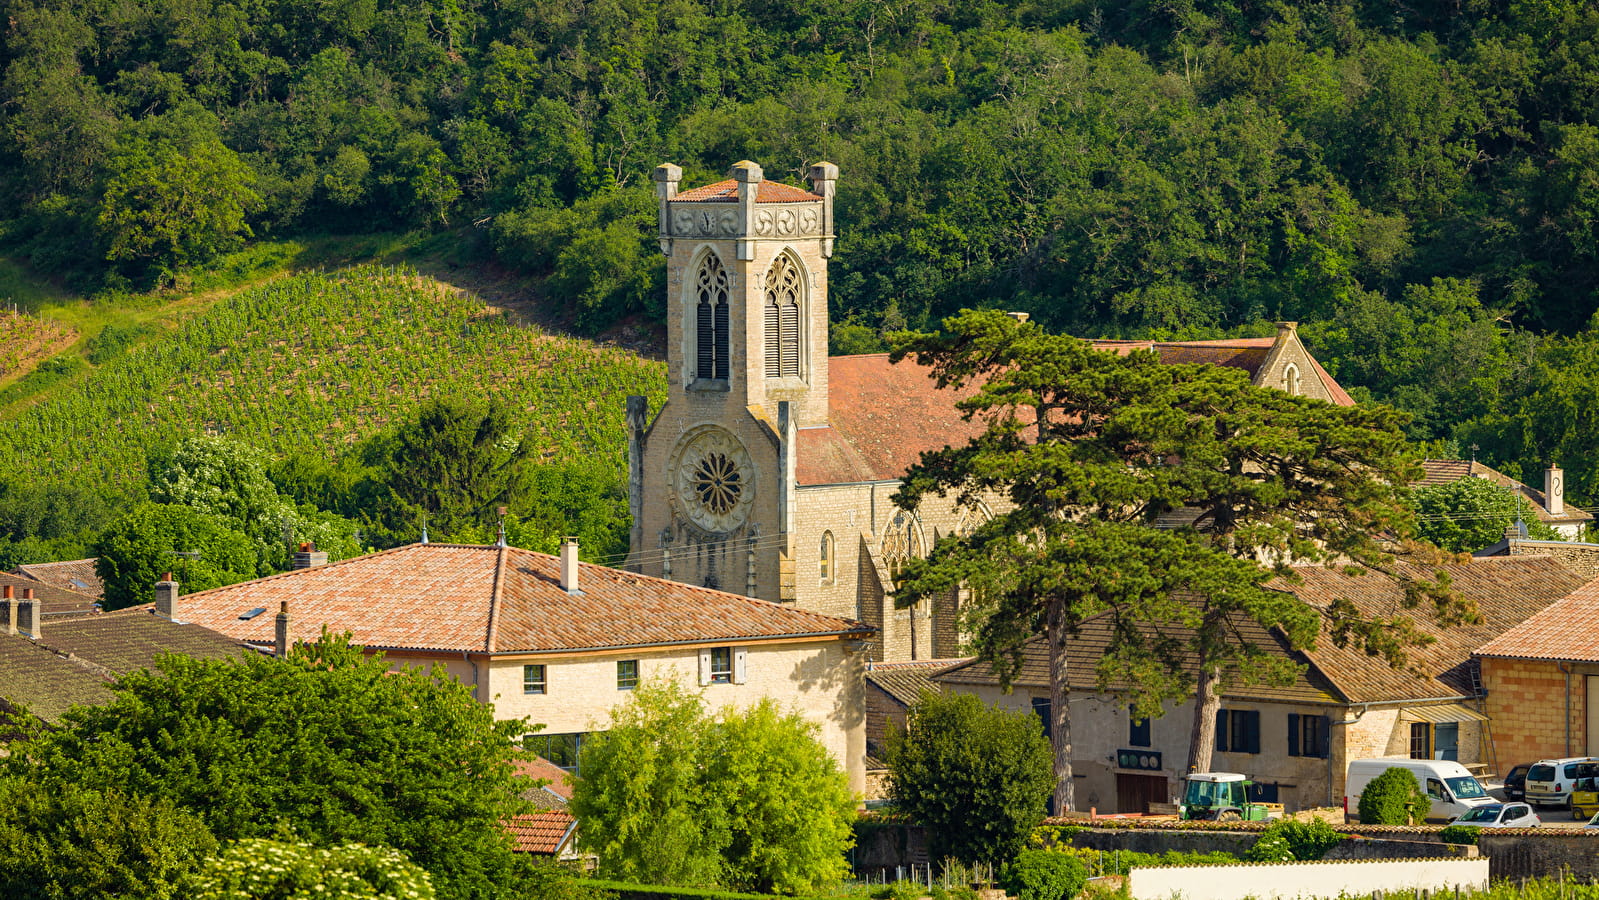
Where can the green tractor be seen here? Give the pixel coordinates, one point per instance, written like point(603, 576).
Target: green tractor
point(1223, 797)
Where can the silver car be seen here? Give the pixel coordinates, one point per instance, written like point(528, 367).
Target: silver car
point(1500, 815)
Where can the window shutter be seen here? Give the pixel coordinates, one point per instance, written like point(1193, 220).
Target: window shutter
point(788, 338)
point(705, 667)
point(1293, 734)
point(1324, 739)
point(773, 360)
point(721, 340)
point(1252, 731)
point(705, 336)
point(1221, 731)
point(739, 654)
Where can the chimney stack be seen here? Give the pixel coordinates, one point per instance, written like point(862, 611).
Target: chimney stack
point(166, 598)
point(1284, 329)
point(569, 565)
point(1020, 317)
point(309, 557)
point(1554, 491)
point(8, 611)
point(284, 636)
point(28, 615)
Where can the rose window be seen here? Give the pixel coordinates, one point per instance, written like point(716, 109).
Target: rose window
point(717, 483)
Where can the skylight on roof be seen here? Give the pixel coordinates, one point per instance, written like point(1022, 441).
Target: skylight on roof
point(77, 584)
point(252, 614)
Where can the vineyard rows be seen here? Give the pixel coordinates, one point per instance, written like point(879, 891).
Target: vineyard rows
point(319, 361)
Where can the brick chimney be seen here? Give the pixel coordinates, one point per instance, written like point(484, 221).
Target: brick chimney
point(309, 557)
point(166, 598)
point(283, 632)
point(28, 615)
point(1554, 490)
point(569, 565)
point(8, 611)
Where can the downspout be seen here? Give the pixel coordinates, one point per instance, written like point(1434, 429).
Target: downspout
point(469, 661)
point(1567, 670)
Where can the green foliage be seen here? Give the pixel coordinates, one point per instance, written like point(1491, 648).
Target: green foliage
point(65, 840)
point(257, 869)
point(1460, 834)
point(329, 744)
point(1287, 840)
point(114, 340)
point(200, 550)
point(1393, 798)
point(1044, 875)
point(1470, 514)
point(453, 466)
point(748, 799)
point(976, 777)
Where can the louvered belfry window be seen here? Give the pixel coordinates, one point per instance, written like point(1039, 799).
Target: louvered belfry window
point(710, 320)
point(783, 319)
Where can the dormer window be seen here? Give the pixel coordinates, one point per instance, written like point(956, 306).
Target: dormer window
point(710, 320)
point(783, 319)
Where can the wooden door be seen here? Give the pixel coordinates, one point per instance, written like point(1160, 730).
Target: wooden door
point(1134, 793)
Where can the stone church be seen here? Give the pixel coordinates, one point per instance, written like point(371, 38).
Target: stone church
point(769, 468)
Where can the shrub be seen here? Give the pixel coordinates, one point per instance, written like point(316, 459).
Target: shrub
point(1460, 834)
point(1393, 798)
point(1286, 840)
point(1044, 875)
point(272, 870)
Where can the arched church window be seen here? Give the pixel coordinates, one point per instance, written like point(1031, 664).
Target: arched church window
point(783, 318)
point(827, 557)
point(1291, 379)
point(710, 319)
point(902, 540)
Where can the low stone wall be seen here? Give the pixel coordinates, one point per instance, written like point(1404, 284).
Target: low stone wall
point(1542, 853)
point(1356, 848)
point(1268, 881)
point(880, 846)
point(1148, 841)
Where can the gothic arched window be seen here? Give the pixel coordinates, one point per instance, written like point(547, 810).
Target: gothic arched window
point(1291, 379)
point(827, 557)
point(710, 319)
point(902, 540)
point(783, 319)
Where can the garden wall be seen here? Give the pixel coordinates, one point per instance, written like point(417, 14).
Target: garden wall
point(1545, 853)
point(1266, 881)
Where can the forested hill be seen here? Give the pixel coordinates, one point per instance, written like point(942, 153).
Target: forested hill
point(1418, 183)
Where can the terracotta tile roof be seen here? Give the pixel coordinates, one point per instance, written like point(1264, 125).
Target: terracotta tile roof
point(1566, 630)
point(546, 832)
point(57, 602)
point(727, 192)
point(492, 599)
point(75, 575)
point(1447, 471)
point(1507, 591)
point(906, 681)
point(557, 790)
point(1090, 645)
point(75, 659)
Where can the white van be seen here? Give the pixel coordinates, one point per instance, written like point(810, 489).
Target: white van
point(1452, 789)
point(1551, 781)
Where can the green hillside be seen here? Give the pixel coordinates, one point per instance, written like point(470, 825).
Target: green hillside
point(314, 362)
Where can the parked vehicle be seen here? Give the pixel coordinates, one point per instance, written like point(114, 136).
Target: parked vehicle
point(1452, 789)
point(1500, 815)
point(1585, 791)
point(1223, 797)
point(1516, 782)
point(1550, 781)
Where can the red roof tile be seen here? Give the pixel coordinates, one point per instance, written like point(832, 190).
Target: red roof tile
point(556, 791)
point(545, 832)
point(906, 681)
point(727, 192)
point(56, 601)
point(1566, 630)
point(76, 575)
point(495, 599)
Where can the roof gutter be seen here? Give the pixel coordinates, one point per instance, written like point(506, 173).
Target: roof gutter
point(704, 642)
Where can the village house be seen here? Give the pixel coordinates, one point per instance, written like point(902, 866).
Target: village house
point(1542, 681)
point(1549, 504)
point(76, 575)
point(769, 469)
point(1295, 741)
point(555, 640)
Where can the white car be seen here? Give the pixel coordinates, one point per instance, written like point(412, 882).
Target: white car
point(1500, 815)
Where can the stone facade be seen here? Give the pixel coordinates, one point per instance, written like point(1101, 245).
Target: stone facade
point(1528, 705)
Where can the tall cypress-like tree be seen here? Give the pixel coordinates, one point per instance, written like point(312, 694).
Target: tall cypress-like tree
point(1091, 450)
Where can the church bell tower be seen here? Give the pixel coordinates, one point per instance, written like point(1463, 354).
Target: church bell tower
point(712, 476)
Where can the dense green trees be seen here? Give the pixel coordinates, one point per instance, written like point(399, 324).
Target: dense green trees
point(151, 539)
point(746, 798)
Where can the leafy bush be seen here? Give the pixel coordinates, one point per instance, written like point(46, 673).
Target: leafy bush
point(1460, 834)
point(1044, 875)
point(900, 890)
point(976, 777)
point(273, 870)
point(1287, 840)
point(1393, 798)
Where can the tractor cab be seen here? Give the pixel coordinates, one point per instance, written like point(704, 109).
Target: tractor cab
point(1219, 797)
